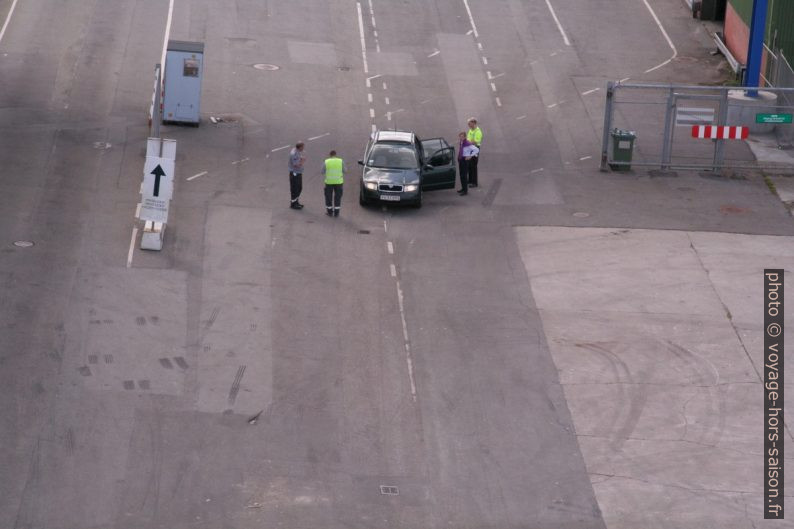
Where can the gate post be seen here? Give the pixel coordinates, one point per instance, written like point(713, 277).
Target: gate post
point(667, 145)
point(607, 125)
point(719, 145)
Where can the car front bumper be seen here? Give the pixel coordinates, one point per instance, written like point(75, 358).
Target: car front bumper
point(400, 197)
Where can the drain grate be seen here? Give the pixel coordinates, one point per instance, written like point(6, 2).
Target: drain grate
point(389, 490)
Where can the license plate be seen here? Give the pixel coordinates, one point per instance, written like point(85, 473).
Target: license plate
point(390, 198)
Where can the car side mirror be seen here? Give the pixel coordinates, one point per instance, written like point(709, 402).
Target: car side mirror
point(427, 167)
point(361, 162)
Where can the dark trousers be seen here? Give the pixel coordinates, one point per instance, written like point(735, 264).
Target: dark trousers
point(333, 194)
point(473, 170)
point(295, 185)
point(463, 170)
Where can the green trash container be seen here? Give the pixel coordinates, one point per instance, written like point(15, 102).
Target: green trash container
point(622, 149)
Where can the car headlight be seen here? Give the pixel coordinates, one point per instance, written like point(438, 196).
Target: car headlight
point(371, 185)
point(411, 187)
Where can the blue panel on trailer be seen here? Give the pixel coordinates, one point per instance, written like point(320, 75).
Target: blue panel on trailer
point(184, 69)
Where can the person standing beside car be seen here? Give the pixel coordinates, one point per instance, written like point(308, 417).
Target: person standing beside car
point(296, 161)
point(463, 163)
point(334, 171)
point(474, 135)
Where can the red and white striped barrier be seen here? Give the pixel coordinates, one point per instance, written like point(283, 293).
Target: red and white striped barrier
point(720, 133)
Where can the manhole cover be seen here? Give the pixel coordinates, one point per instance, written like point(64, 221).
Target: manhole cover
point(733, 209)
point(581, 214)
point(23, 244)
point(389, 490)
point(267, 67)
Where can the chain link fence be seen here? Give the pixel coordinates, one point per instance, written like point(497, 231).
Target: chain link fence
point(694, 127)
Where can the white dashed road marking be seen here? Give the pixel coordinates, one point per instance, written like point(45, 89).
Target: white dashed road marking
point(320, 136)
point(590, 91)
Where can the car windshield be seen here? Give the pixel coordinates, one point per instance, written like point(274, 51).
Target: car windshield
point(392, 156)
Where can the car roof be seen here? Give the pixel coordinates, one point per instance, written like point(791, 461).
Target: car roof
point(395, 135)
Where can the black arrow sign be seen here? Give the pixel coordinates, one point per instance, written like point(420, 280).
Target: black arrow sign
point(157, 172)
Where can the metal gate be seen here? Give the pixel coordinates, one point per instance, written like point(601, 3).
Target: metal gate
point(697, 127)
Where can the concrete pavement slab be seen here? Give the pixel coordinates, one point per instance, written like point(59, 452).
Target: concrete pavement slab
point(235, 357)
point(642, 326)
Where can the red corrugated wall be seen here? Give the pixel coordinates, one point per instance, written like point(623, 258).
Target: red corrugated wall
point(737, 34)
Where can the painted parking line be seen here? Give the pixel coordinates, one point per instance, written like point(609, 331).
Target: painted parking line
point(196, 176)
point(132, 246)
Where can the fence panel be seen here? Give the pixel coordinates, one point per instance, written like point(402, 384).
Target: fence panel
point(695, 127)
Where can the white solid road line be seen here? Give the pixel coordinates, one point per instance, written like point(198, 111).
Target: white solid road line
point(559, 26)
point(8, 19)
point(132, 246)
point(471, 19)
point(361, 34)
point(196, 176)
point(167, 32)
point(666, 36)
point(162, 65)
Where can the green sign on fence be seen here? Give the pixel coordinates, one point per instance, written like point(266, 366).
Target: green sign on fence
point(773, 118)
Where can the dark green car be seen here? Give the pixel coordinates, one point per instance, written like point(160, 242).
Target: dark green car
point(399, 167)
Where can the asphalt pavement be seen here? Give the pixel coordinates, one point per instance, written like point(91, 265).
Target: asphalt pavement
point(561, 348)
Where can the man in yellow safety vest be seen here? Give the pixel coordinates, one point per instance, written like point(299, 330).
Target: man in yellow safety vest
point(334, 171)
point(474, 135)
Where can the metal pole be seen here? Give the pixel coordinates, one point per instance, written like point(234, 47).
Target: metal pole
point(607, 125)
point(756, 46)
point(719, 145)
point(156, 113)
point(667, 145)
